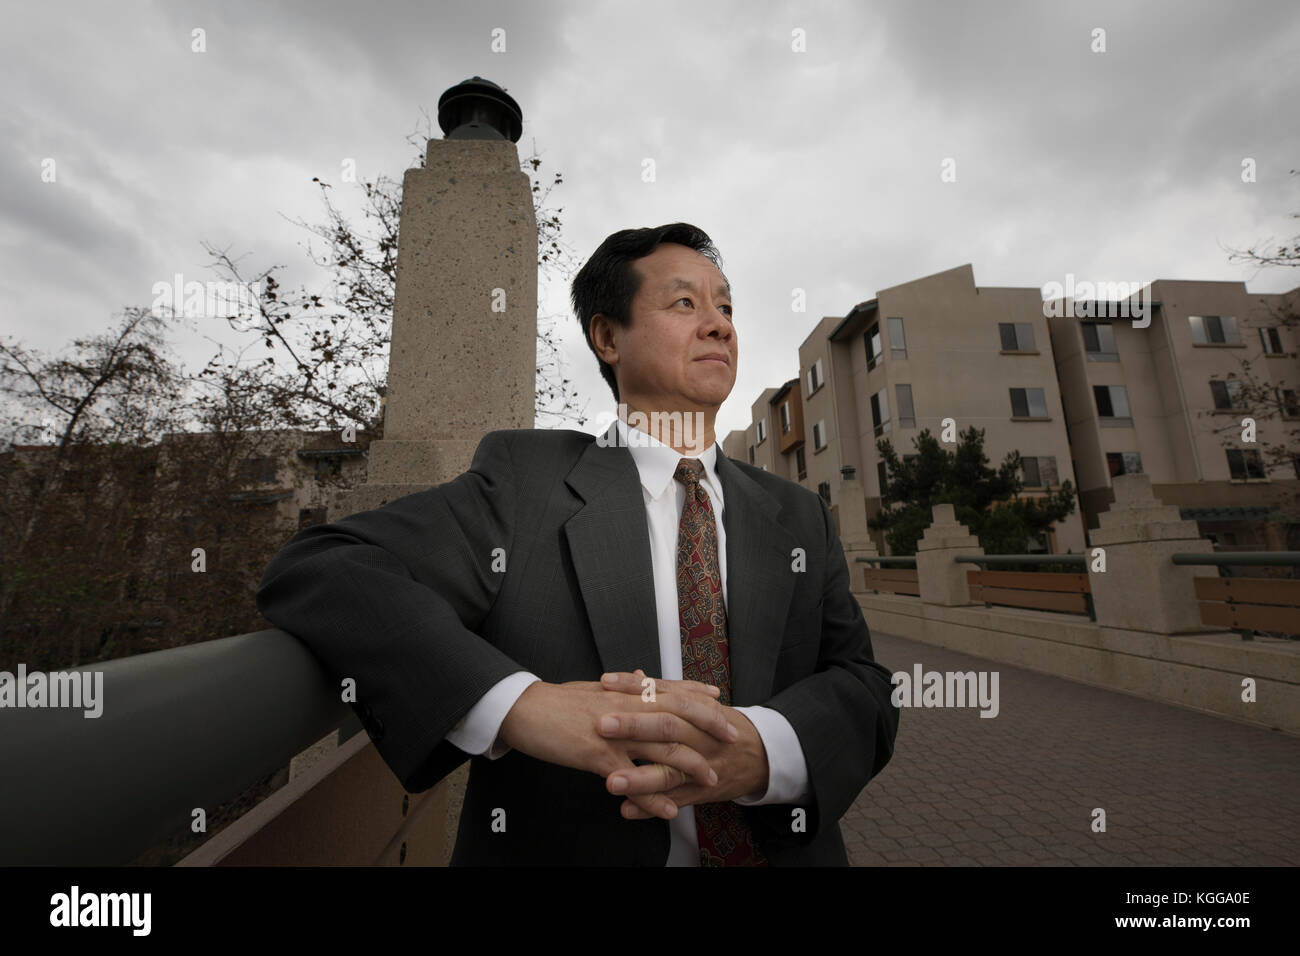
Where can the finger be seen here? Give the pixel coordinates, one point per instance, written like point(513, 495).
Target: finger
point(681, 797)
point(653, 778)
point(680, 715)
point(626, 683)
point(708, 715)
point(658, 726)
point(645, 780)
point(683, 760)
point(651, 805)
point(633, 811)
point(644, 807)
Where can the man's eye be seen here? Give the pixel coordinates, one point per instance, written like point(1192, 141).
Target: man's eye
point(686, 298)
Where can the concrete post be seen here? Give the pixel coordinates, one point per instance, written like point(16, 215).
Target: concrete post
point(1141, 589)
point(854, 533)
point(855, 537)
point(941, 579)
point(463, 357)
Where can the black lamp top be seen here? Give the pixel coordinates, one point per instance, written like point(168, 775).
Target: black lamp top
point(479, 109)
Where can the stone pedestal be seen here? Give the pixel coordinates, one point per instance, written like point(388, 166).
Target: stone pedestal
point(855, 537)
point(1141, 589)
point(463, 359)
point(942, 580)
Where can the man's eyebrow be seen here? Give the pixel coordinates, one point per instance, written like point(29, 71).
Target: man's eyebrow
point(680, 283)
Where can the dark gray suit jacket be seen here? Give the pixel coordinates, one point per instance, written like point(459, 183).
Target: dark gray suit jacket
point(405, 600)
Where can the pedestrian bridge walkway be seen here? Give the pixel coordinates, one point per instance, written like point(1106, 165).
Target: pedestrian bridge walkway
point(1178, 787)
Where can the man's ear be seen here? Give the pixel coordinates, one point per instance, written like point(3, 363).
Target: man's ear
point(602, 339)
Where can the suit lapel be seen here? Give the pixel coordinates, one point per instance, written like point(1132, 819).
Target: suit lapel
point(609, 543)
point(760, 582)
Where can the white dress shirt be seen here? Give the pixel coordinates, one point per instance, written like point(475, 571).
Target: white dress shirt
point(664, 500)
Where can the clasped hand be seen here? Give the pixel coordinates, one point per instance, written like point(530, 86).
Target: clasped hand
point(698, 751)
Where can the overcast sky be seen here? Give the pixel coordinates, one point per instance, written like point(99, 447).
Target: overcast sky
point(818, 169)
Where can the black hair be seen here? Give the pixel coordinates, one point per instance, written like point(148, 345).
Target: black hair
point(607, 283)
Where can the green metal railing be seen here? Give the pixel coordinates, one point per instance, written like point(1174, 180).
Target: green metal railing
point(180, 729)
point(1245, 558)
point(986, 561)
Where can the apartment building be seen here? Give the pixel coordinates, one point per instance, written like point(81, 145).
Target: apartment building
point(1169, 400)
point(939, 351)
point(1080, 399)
point(755, 444)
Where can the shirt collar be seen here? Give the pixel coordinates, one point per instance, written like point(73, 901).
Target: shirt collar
point(657, 462)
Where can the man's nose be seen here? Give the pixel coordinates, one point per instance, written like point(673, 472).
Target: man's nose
point(718, 322)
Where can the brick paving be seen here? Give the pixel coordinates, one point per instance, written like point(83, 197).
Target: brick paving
point(1179, 788)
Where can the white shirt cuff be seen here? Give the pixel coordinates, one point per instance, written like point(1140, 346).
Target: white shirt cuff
point(477, 731)
point(787, 770)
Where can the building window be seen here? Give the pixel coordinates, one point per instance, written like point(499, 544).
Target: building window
point(1099, 342)
point(801, 462)
point(785, 417)
point(326, 467)
point(258, 470)
point(1028, 403)
point(751, 454)
point(897, 341)
point(1271, 339)
point(1214, 330)
point(1112, 401)
point(1123, 463)
point(1227, 395)
point(1016, 336)
point(906, 415)
point(310, 516)
point(1038, 472)
point(872, 340)
point(815, 376)
point(1245, 463)
point(761, 429)
point(819, 435)
point(882, 476)
point(880, 412)
point(824, 489)
point(1288, 399)
point(1038, 543)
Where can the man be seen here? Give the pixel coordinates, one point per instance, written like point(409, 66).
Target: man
point(647, 650)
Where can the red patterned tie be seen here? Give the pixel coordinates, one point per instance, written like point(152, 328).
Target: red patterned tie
point(725, 838)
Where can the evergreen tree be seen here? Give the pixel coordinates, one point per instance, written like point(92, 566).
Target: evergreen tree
point(985, 500)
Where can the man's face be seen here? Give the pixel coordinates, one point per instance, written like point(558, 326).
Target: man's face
point(679, 351)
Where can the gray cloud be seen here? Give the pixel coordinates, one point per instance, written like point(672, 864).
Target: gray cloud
point(816, 170)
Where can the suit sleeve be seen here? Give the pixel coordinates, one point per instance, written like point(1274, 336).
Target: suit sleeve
point(842, 714)
point(392, 598)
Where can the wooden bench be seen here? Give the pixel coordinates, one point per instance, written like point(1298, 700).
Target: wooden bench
point(1038, 590)
point(892, 580)
point(1256, 604)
